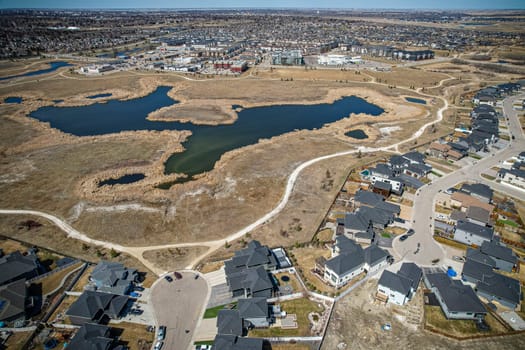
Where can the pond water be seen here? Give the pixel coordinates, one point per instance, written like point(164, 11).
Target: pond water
point(357, 134)
point(53, 67)
point(100, 95)
point(207, 143)
point(13, 99)
point(416, 100)
point(126, 179)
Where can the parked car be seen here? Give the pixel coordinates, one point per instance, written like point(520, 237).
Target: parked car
point(177, 275)
point(158, 345)
point(139, 288)
point(168, 278)
point(402, 238)
point(162, 333)
point(136, 311)
point(458, 258)
point(410, 232)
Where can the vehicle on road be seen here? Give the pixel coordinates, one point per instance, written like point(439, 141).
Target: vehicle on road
point(177, 275)
point(168, 278)
point(158, 345)
point(196, 277)
point(136, 311)
point(458, 258)
point(410, 232)
point(162, 333)
point(402, 238)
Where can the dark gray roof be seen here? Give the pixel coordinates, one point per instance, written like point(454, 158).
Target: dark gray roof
point(398, 161)
point(232, 342)
point(373, 255)
point(382, 169)
point(478, 214)
point(457, 215)
point(409, 181)
point(420, 169)
point(396, 282)
point(476, 270)
point(499, 251)
point(93, 305)
point(255, 279)
point(13, 300)
point(386, 186)
point(253, 255)
point(369, 234)
point(475, 229)
point(456, 296)
point(347, 245)
point(368, 197)
point(415, 157)
point(229, 322)
point(253, 308)
point(345, 262)
point(91, 337)
point(478, 256)
point(389, 207)
point(412, 272)
point(479, 189)
point(516, 172)
point(15, 265)
point(501, 286)
point(355, 221)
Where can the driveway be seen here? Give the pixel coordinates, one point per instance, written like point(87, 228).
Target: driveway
point(423, 209)
point(179, 305)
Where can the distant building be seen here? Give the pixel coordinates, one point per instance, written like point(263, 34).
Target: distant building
point(288, 58)
point(407, 55)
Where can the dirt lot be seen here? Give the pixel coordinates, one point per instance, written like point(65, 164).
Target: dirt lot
point(357, 321)
point(174, 258)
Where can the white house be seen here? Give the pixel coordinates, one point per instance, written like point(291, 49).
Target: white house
point(398, 288)
point(470, 233)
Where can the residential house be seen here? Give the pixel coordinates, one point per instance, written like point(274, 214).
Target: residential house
point(14, 302)
point(254, 282)
point(480, 191)
point(415, 157)
point(463, 201)
point(256, 311)
point(514, 177)
point(233, 342)
point(93, 336)
point(398, 288)
point(505, 259)
point(113, 277)
point(96, 307)
point(438, 150)
point(382, 172)
point(17, 266)
point(479, 216)
point(472, 234)
point(230, 322)
point(254, 255)
point(500, 288)
point(458, 301)
point(350, 259)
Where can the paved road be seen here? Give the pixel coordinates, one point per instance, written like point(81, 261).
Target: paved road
point(179, 305)
point(423, 211)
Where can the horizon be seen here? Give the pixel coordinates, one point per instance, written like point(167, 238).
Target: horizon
point(358, 5)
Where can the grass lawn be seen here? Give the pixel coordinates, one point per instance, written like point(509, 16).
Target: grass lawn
point(50, 283)
point(395, 230)
point(61, 310)
point(435, 318)
point(134, 336)
point(292, 282)
point(325, 235)
point(83, 280)
point(301, 308)
point(290, 346)
point(385, 234)
point(9, 246)
point(436, 173)
point(488, 177)
point(306, 261)
point(443, 210)
point(508, 222)
point(205, 342)
point(450, 242)
point(214, 311)
point(17, 340)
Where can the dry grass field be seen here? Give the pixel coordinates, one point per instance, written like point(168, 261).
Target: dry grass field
point(174, 258)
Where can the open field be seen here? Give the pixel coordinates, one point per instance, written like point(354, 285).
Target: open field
point(52, 282)
point(306, 262)
point(174, 258)
point(363, 329)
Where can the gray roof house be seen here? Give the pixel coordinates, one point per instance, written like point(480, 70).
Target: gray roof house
point(399, 287)
point(480, 191)
point(253, 282)
point(457, 300)
point(414, 157)
point(232, 342)
point(473, 271)
point(255, 311)
point(13, 303)
point(92, 337)
point(351, 259)
point(478, 256)
point(478, 215)
point(230, 322)
point(16, 266)
point(96, 307)
point(500, 288)
point(504, 257)
point(470, 233)
point(253, 255)
point(113, 277)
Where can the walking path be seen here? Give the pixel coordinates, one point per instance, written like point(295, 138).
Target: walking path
point(137, 252)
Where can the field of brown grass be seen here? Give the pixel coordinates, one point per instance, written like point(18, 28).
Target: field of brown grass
point(172, 259)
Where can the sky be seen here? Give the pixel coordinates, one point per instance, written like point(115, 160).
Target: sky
point(357, 4)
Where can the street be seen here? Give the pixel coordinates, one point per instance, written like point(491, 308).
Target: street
point(179, 305)
point(423, 209)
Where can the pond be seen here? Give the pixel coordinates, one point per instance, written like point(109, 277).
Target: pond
point(416, 100)
point(357, 134)
point(53, 67)
point(207, 143)
point(100, 95)
point(13, 99)
point(126, 179)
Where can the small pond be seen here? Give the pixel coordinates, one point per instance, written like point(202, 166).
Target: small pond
point(126, 179)
point(416, 100)
point(13, 99)
point(100, 95)
point(357, 134)
point(53, 67)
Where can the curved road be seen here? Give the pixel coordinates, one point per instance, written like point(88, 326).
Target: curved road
point(423, 209)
